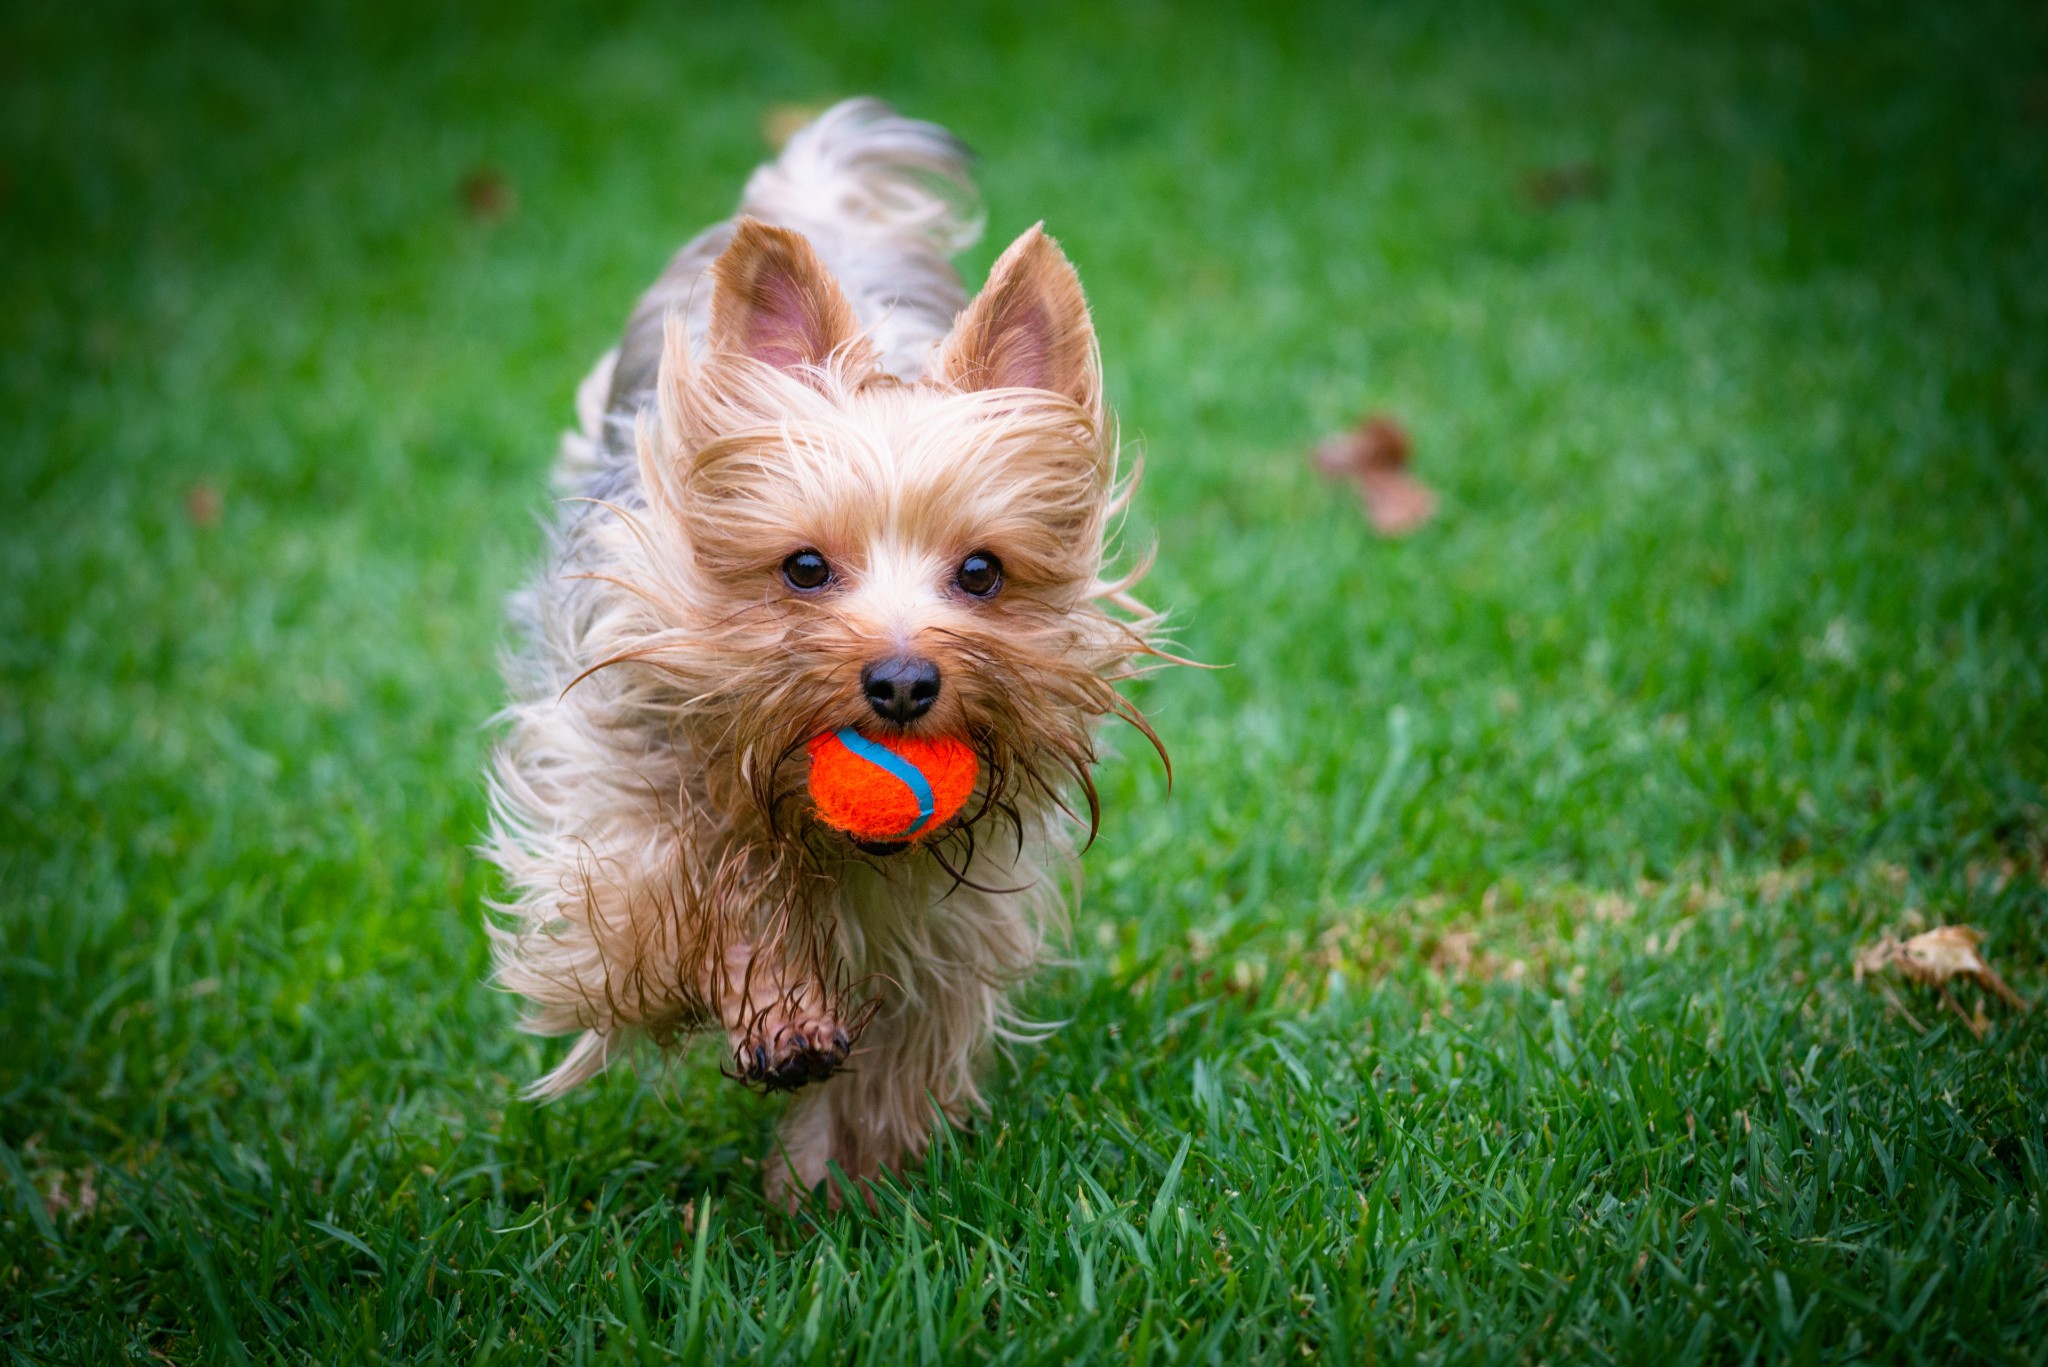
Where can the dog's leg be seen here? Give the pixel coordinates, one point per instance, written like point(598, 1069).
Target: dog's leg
point(912, 1067)
point(856, 1121)
point(766, 958)
point(778, 1012)
point(652, 942)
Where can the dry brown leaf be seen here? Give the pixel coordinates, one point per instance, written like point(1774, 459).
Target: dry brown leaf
point(1933, 959)
point(75, 1205)
point(1555, 185)
point(1374, 455)
point(487, 196)
point(203, 505)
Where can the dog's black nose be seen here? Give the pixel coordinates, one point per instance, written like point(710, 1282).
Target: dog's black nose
point(902, 689)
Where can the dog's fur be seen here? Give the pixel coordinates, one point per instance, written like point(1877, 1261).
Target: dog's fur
point(812, 375)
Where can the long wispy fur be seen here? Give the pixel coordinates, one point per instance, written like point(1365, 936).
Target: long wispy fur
point(811, 375)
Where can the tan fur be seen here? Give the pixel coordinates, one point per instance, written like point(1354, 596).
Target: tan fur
point(1027, 329)
point(772, 300)
point(664, 874)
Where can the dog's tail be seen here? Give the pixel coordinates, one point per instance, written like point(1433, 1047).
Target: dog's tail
point(886, 201)
point(864, 170)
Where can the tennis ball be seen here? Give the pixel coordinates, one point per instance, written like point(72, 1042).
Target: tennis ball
point(890, 788)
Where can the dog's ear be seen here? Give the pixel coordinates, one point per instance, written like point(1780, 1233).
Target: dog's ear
point(773, 300)
point(1027, 329)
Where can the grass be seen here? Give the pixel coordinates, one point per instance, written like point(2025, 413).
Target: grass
point(1482, 990)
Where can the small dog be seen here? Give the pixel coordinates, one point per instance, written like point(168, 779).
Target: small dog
point(813, 488)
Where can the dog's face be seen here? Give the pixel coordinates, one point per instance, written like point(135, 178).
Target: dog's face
point(845, 549)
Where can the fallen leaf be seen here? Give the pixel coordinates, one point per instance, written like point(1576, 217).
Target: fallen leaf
point(1935, 958)
point(1555, 185)
point(203, 505)
point(1374, 455)
point(72, 1206)
point(487, 195)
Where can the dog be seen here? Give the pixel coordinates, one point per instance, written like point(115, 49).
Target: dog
point(815, 487)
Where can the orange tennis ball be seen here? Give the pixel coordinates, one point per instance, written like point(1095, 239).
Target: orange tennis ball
point(890, 788)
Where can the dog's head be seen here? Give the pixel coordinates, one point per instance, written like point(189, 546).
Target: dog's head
point(839, 548)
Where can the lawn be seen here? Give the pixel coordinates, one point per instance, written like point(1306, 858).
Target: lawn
point(1481, 990)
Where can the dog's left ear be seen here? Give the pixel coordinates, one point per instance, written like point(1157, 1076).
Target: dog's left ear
point(772, 299)
point(1027, 329)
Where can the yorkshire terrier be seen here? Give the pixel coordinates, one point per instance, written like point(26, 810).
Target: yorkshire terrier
point(814, 488)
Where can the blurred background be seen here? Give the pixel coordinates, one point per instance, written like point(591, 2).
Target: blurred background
point(1718, 332)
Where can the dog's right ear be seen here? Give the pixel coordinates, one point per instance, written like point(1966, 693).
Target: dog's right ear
point(1027, 329)
point(773, 300)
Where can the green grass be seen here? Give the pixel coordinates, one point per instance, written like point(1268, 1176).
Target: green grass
point(1481, 991)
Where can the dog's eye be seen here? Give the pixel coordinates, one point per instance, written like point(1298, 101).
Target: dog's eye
point(981, 574)
point(807, 570)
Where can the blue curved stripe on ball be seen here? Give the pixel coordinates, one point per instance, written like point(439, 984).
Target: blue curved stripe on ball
point(898, 767)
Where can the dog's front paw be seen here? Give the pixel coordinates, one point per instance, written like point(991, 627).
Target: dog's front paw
point(789, 1054)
